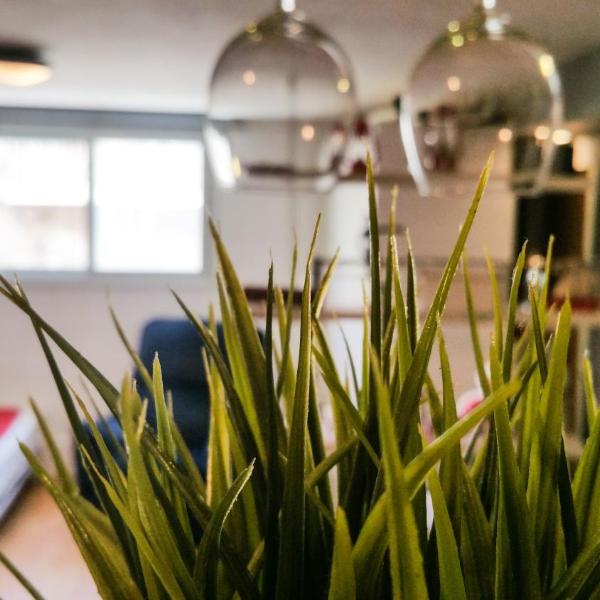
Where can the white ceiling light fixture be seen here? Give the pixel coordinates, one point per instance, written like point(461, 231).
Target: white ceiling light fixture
point(22, 66)
point(478, 87)
point(281, 106)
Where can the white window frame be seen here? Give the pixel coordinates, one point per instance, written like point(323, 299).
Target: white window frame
point(80, 125)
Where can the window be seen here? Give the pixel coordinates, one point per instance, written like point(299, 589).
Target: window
point(101, 204)
point(44, 195)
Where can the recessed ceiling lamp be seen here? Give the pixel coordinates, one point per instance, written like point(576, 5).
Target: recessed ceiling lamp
point(478, 87)
point(281, 106)
point(22, 66)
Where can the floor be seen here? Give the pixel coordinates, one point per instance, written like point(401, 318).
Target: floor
point(36, 539)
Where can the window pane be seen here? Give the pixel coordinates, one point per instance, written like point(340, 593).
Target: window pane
point(44, 194)
point(148, 205)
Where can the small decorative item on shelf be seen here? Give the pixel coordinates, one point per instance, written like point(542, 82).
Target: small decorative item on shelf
point(281, 106)
point(361, 142)
point(578, 281)
point(481, 85)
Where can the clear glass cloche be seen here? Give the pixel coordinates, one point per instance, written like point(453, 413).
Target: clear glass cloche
point(281, 106)
point(481, 86)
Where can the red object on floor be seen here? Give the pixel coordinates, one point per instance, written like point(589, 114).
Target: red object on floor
point(7, 416)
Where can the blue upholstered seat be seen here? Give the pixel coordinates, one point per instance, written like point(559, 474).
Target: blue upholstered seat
point(179, 350)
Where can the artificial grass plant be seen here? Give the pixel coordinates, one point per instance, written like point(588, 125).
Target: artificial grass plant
point(510, 519)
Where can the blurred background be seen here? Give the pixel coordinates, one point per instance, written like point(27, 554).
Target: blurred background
point(124, 124)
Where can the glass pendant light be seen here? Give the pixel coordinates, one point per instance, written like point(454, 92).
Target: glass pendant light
point(480, 86)
point(281, 106)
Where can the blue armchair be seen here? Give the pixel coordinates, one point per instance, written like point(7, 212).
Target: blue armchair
point(179, 349)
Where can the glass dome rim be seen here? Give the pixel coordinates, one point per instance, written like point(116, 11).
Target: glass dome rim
point(535, 49)
point(310, 33)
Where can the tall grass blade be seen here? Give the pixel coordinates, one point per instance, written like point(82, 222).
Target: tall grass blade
point(291, 550)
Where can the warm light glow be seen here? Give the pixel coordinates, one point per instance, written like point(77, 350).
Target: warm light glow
point(249, 77)
point(505, 135)
point(22, 74)
point(584, 153)
point(547, 66)
point(294, 29)
point(541, 133)
point(236, 167)
point(453, 83)
point(457, 40)
point(288, 6)
point(453, 26)
point(561, 137)
point(343, 85)
point(251, 27)
point(307, 132)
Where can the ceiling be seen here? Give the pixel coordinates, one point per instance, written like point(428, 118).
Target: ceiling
point(157, 55)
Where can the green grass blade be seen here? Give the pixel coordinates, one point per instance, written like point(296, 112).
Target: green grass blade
point(237, 363)
point(274, 475)
point(156, 559)
point(248, 442)
point(586, 487)
point(375, 262)
point(544, 465)
point(591, 402)
point(403, 344)
point(68, 483)
point(406, 561)
point(291, 549)
point(250, 342)
point(165, 437)
point(582, 580)
point(370, 545)
point(412, 304)
point(343, 584)
point(208, 550)
point(139, 365)
point(513, 500)
point(498, 326)
point(417, 469)
point(330, 461)
point(342, 399)
point(27, 585)
point(391, 240)
point(475, 342)
point(218, 470)
point(452, 586)
point(105, 567)
point(451, 464)
point(202, 513)
point(107, 391)
point(476, 543)
point(543, 301)
point(286, 379)
point(507, 357)
point(538, 334)
point(352, 365)
point(321, 292)
point(411, 390)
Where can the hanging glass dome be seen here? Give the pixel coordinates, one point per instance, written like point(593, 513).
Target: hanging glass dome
point(281, 106)
point(480, 86)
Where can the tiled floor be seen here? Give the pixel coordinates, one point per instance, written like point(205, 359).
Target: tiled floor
point(35, 537)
